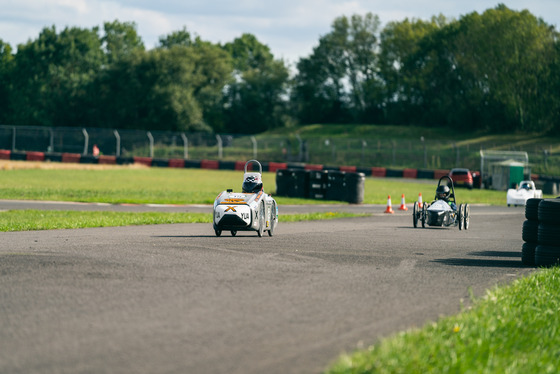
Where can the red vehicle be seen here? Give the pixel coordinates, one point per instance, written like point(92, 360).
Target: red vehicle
point(462, 177)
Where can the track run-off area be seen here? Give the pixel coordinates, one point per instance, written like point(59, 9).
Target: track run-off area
point(178, 299)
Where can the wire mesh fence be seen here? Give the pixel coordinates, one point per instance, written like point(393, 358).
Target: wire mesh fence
point(360, 152)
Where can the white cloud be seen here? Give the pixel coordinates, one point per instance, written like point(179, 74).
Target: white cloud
point(290, 28)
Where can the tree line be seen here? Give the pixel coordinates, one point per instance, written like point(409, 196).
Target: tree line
point(497, 71)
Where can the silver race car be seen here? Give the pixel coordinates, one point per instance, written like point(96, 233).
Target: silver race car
point(443, 211)
point(250, 210)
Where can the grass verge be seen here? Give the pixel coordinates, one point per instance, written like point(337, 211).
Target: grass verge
point(25, 220)
point(190, 186)
point(511, 329)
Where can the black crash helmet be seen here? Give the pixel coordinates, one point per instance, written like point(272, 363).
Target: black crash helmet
point(252, 183)
point(442, 192)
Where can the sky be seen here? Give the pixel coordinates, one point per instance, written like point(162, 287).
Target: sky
point(290, 28)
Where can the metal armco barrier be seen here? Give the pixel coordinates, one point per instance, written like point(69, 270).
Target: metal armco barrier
point(321, 184)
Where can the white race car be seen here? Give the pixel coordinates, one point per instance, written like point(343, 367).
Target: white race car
point(443, 211)
point(250, 210)
point(526, 190)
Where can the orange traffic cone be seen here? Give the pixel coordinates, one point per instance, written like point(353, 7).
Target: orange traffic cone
point(403, 204)
point(389, 206)
point(420, 200)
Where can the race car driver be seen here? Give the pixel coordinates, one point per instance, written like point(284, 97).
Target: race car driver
point(443, 193)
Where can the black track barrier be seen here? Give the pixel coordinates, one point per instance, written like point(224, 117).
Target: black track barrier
point(394, 173)
point(192, 164)
point(318, 180)
point(283, 177)
point(292, 183)
point(425, 174)
point(18, 156)
point(299, 183)
point(160, 162)
point(336, 187)
point(331, 168)
point(264, 166)
point(364, 171)
point(226, 165)
point(88, 159)
point(53, 157)
point(328, 185)
point(550, 188)
point(296, 166)
point(355, 183)
point(124, 160)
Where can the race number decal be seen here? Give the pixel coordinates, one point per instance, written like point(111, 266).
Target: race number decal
point(234, 201)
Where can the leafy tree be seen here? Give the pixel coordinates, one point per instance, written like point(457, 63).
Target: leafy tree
point(211, 72)
point(400, 69)
point(151, 90)
point(490, 71)
point(181, 37)
point(339, 82)
point(6, 66)
point(254, 99)
point(363, 67)
point(50, 74)
point(552, 112)
point(511, 67)
point(319, 88)
point(121, 40)
point(176, 86)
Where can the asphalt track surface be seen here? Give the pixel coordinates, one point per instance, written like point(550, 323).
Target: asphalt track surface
point(178, 299)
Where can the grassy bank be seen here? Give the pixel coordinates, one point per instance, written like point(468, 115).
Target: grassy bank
point(512, 329)
point(367, 145)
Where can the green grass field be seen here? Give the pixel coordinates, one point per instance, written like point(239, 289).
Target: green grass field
point(118, 185)
point(25, 220)
point(192, 186)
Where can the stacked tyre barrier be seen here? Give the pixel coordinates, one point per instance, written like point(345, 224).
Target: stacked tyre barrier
point(547, 252)
point(541, 232)
point(530, 231)
point(321, 185)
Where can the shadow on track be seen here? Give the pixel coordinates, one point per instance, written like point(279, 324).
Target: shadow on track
point(226, 235)
point(496, 254)
point(481, 263)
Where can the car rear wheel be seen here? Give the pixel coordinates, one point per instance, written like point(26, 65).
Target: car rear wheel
point(424, 214)
point(218, 232)
point(415, 214)
point(233, 232)
point(466, 216)
point(460, 216)
point(273, 219)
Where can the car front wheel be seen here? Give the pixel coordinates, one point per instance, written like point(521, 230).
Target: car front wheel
point(261, 220)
